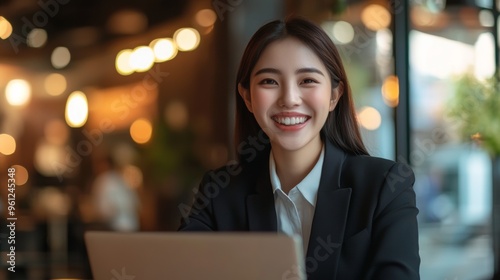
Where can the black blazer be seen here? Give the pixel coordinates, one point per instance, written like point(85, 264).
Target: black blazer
point(364, 225)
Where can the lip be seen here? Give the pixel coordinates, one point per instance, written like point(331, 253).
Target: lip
point(290, 115)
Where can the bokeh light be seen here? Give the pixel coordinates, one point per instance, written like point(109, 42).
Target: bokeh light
point(390, 91)
point(7, 144)
point(21, 175)
point(55, 84)
point(18, 92)
point(375, 17)
point(486, 18)
point(369, 118)
point(164, 49)
point(206, 17)
point(36, 38)
point(60, 57)
point(77, 109)
point(5, 28)
point(141, 131)
point(187, 39)
point(343, 32)
point(142, 59)
point(48, 159)
point(122, 62)
point(384, 40)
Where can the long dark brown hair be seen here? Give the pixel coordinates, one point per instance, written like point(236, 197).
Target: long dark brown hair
point(341, 126)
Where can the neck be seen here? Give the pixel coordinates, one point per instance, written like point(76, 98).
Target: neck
point(293, 166)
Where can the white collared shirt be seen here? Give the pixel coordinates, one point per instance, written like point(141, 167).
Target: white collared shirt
point(295, 211)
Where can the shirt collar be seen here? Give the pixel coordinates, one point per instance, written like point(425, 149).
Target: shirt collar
point(308, 187)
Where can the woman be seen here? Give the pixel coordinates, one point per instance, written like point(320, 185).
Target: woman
point(303, 168)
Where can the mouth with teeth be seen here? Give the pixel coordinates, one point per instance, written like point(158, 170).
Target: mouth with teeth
point(295, 121)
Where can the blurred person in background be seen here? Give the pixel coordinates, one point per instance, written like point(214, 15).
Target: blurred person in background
point(116, 203)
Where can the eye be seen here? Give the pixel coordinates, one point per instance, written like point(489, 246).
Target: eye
point(309, 81)
point(268, 82)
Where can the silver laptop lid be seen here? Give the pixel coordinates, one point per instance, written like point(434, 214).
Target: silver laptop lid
point(186, 256)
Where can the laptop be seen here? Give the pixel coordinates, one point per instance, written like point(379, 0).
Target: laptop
point(194, 255)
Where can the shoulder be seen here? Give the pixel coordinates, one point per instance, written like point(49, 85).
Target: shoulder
point(376, 177)
point(363, 169)
point(365, 162)
point(387, 181)
point(376, 167)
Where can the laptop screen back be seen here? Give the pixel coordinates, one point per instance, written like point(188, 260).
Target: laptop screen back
point(186, 256)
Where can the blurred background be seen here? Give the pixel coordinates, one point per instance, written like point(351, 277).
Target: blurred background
point(110, 112)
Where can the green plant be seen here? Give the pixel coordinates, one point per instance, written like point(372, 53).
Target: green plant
point(476, 108)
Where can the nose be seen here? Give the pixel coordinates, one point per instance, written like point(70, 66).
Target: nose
point(290, 96)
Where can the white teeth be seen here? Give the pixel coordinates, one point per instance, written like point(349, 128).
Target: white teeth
point(291, 120)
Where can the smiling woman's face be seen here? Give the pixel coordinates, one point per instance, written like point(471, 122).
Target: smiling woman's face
point(290, 95)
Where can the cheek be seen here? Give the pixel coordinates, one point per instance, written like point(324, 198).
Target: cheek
point(261, 100)
point(320, 101)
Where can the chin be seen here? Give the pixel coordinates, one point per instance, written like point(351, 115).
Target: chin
point(291, 146)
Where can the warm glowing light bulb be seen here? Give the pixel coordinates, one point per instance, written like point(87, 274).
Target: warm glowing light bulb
point(164, 49)
point(55, 84)
point(122, 62)
point(187, 39)
point(370, 118)
point(390, 91)
point(141, 131)
point(142, 59)
point(77, 109)
point(5, 28)
point(206, 17)
point(375, 17)
point(18, 92)
point(7, 144)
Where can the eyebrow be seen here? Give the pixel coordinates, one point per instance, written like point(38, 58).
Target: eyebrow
point(309, 70)
point(301, 70)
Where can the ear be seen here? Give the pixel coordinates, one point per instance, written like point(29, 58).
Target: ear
point(245, 95)
point(336, 95)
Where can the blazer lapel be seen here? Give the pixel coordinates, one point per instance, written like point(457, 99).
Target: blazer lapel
point(330, 216)
point(260, 206)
